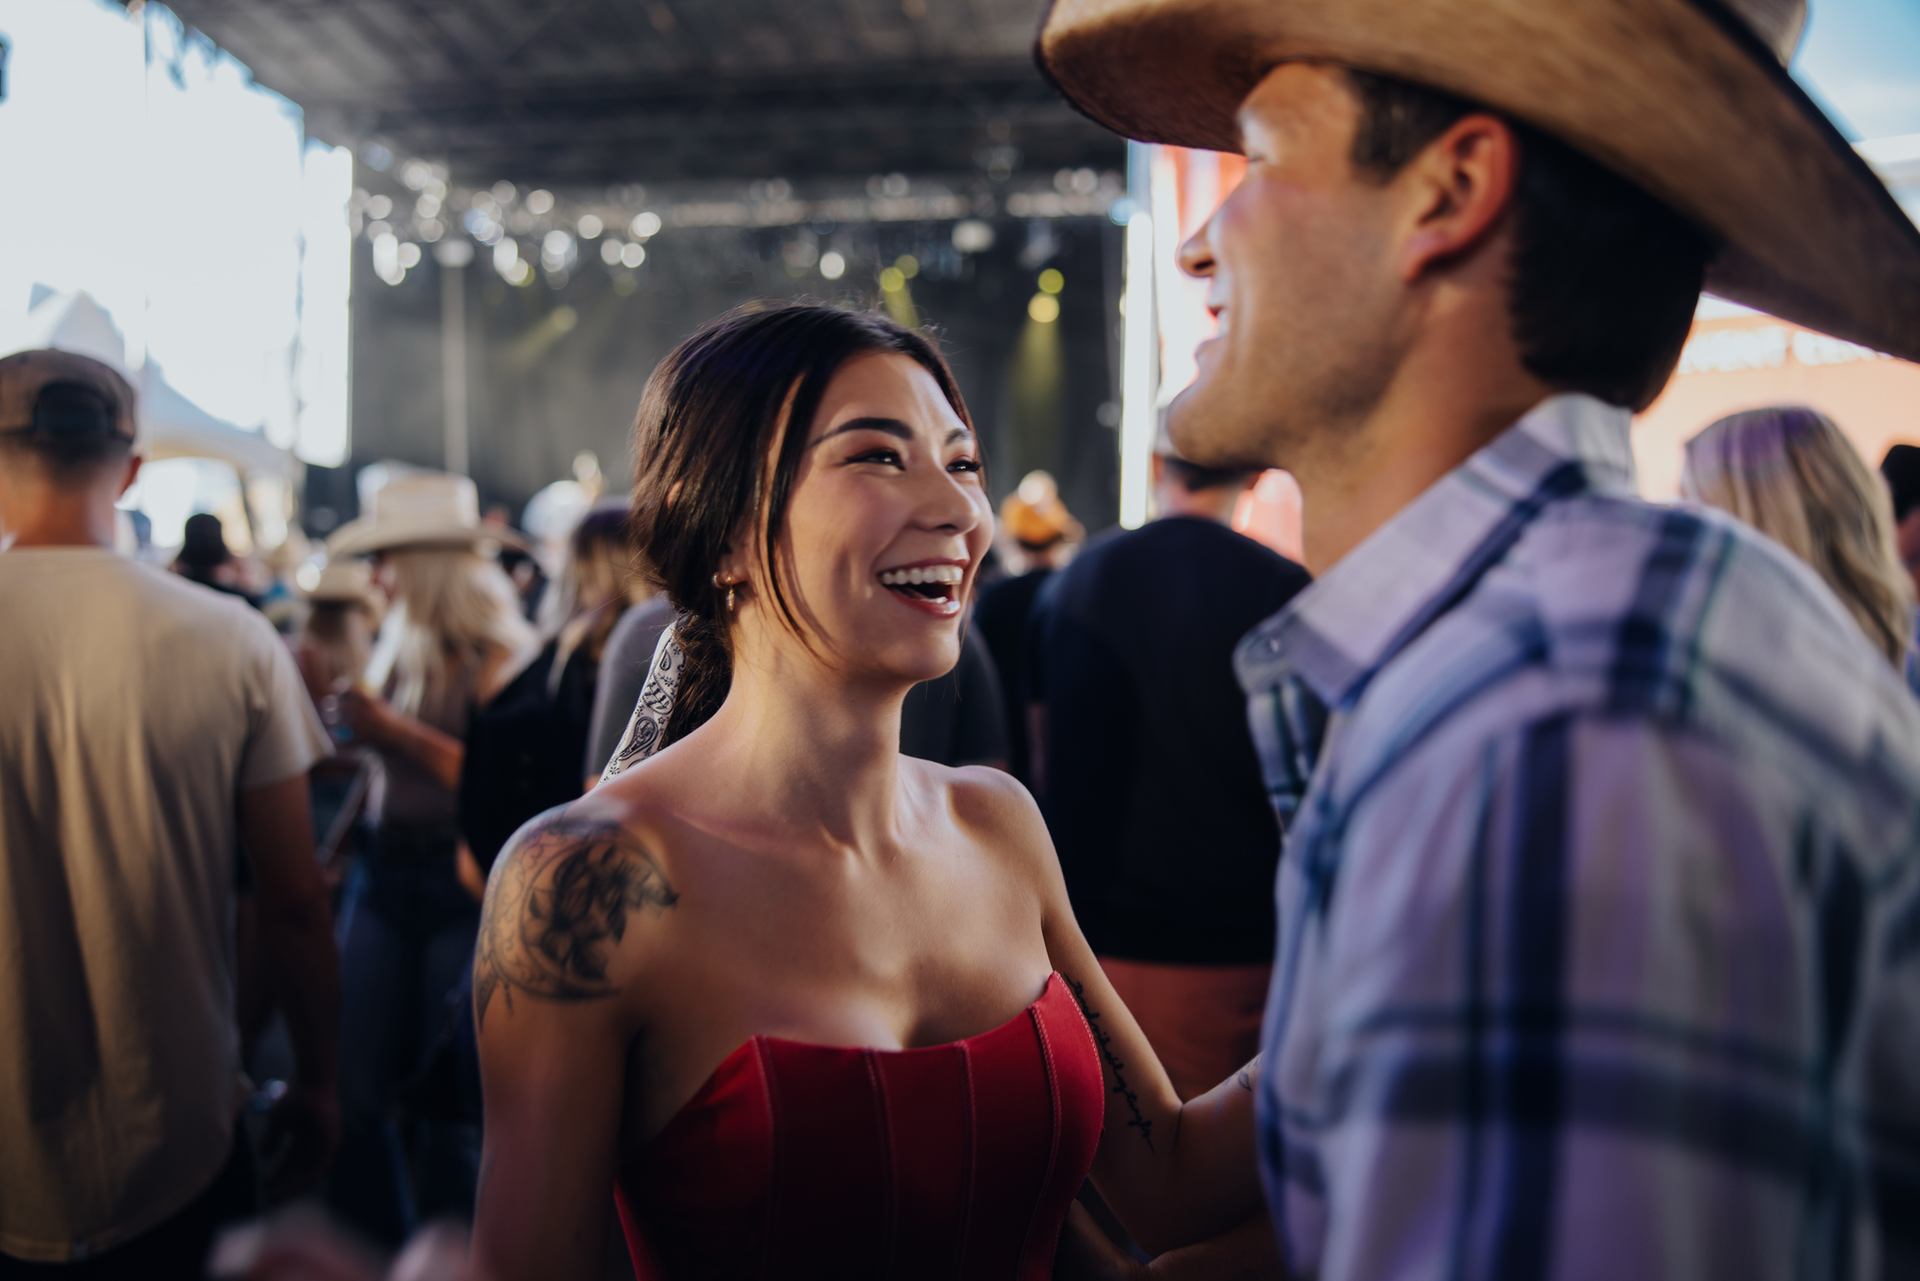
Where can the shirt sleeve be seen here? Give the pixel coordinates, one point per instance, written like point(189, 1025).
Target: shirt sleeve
point(1586, 1001)
point(286, 736)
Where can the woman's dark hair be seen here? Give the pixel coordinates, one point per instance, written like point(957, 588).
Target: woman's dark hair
point(717, 443)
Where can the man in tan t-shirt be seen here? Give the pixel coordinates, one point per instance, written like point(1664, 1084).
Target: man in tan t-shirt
point(150, 731)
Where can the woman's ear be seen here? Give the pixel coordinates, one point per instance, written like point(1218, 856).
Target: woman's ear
point(735, 567)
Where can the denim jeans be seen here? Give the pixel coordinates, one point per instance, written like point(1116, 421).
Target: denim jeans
point(407, 933)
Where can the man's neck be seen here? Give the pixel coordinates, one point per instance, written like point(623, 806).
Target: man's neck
point(64, 525)
point(1216, 505)
point(1438, 411)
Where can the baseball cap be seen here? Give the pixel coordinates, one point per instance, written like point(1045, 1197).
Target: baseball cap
point(60, 395)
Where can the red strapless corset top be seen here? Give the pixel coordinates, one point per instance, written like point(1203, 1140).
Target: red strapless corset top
point(955, 1160)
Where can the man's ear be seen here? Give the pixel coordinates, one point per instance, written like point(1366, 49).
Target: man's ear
point(133, 474)
point(1463, 184)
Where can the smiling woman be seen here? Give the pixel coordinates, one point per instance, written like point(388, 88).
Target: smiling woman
point(809, 1006)
point(720, 458)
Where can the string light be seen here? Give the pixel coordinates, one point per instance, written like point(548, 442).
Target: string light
point(432, 213)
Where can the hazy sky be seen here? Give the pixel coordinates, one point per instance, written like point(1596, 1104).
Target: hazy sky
point(1861, 59)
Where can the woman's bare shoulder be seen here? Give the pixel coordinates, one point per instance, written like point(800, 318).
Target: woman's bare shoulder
point(568, 908)
point(996, 809)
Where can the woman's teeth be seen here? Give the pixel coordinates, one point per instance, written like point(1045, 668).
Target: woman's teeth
point(945, 574)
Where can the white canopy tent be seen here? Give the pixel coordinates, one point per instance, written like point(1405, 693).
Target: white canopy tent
point(172, 425)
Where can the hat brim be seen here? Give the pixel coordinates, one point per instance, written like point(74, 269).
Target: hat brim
point(367, 535)
point(1677, 96)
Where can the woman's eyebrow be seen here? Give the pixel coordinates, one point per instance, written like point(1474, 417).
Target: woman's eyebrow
point(887, 426)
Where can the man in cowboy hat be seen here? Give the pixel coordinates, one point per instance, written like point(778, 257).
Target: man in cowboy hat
point(1599, 936)
point(152, 732)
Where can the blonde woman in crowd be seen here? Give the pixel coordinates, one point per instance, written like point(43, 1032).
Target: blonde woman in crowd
point(453, 638)
point(335, 640)
point(524, 752)
point(1790, 473)
point(598, 583)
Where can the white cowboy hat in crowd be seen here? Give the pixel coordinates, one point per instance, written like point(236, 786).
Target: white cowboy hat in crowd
point(419, 509)
point(1689, 99)
point(345, 582)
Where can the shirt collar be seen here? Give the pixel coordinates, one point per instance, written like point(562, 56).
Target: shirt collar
point(1344, 627)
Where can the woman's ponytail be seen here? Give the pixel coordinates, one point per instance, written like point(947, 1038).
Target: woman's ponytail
point(706, 672)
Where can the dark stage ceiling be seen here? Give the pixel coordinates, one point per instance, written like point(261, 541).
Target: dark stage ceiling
point(574, 93)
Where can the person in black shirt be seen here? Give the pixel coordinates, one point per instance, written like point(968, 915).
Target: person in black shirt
point(1146, 772)
point(1038, 523)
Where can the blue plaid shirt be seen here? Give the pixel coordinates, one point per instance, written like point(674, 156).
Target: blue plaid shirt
point(1600, 907)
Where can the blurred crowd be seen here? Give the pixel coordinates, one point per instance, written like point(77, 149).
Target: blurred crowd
point(441, 679)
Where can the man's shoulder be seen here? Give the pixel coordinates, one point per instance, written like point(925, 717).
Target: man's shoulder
point(225, 620)
point(1672, 617)
point(1685, 612)
point(158, 595)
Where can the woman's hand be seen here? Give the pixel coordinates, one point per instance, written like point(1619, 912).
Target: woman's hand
point(374, 721)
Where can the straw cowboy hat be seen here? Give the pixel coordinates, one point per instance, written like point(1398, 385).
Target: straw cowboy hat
point(419, 509)
point(1689, 99)
point(1034, 516)
point(345, 582)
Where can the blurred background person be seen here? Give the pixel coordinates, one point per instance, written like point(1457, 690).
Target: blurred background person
point(1901, 470)
point(281, 599)
point(452, 639)
point(1789, 472)
point(204, 558)
point(1043, 533)
point(335, 641)
point(623, 673)
point(524, 751)
point(959, 718)
point(151, 733)
point(1146, 772)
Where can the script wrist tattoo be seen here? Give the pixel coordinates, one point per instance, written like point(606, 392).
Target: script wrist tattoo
point(1115, 1065)
point(559, 904)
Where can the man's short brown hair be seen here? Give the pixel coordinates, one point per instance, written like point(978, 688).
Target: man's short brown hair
point(1604, 277)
